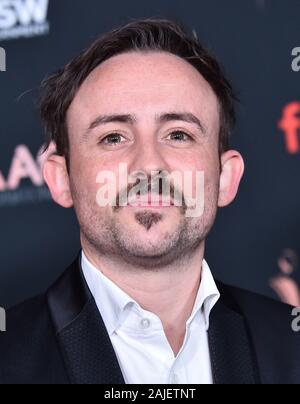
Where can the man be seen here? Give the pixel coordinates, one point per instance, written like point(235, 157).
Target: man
point(139, 304)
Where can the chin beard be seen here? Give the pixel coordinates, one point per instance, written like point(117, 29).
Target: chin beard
point(148, 219)
point(165, 254)
point(157, 262)
point(115, 241)
point(171, 249)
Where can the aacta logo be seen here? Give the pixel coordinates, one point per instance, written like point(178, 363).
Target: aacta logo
point(24, 166)
point(23, 18)
point(290, 124)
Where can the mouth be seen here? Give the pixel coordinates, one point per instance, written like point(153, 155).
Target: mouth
point(152, 202)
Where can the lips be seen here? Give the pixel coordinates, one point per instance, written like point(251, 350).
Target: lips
point(157, 202)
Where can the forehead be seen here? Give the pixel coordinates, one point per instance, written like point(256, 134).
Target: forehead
point(143, 84)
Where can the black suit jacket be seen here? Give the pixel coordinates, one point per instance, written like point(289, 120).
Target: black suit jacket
point(60, 338)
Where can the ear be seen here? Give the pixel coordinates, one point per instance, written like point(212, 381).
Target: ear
point(231, 173)
point(57, 178)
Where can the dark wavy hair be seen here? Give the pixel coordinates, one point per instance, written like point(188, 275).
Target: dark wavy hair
point(59, 89)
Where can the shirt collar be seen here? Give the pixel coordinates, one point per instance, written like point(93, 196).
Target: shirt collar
point(111, 300)
point(113, 303)
point(207, 296)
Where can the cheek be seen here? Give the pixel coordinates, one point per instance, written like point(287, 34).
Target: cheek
point(205, 174)
point(85, 168)
point(202, 161)
point(85, 176)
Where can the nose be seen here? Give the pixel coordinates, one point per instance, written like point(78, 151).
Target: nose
point(148, 157)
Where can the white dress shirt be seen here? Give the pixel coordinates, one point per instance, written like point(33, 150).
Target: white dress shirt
point(137, 335)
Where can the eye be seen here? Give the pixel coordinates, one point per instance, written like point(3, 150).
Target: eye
point(179, 136)
point(113, 139)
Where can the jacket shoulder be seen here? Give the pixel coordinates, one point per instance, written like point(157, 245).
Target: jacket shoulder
point(28, 348)
point(254, 303)
point(270, 329)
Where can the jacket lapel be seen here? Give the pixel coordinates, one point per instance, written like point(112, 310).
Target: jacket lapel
point(85, 344)
point(232, 357)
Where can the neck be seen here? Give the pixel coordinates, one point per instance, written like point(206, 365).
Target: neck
point(169, 292)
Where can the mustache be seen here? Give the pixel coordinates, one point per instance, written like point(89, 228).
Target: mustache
point(154, 186)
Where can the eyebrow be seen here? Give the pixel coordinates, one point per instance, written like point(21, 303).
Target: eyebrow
point(163, 118)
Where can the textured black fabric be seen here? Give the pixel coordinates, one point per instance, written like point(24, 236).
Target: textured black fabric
point(269, 325)
point(29, 351)
point(87, 350)
point(232, 358)
point(60, 338)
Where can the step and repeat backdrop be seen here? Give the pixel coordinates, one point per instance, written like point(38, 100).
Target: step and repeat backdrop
point(255, 243)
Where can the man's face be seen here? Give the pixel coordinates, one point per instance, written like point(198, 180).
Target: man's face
point(146, 87)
